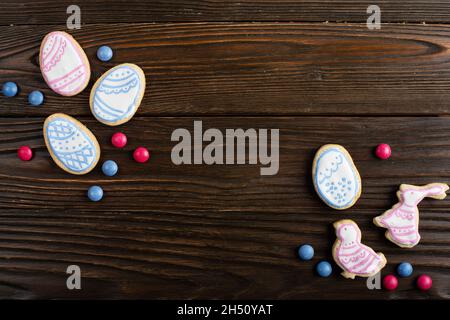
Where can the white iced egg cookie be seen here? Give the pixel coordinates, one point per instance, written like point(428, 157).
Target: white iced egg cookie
point(335, 177)
point(116, 96)
point(71, 145)
point(64, 64)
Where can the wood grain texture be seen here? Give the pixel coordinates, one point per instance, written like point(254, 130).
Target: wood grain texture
point(224, 231)
point(129, 11)
point(167, 231)
point(252, 69)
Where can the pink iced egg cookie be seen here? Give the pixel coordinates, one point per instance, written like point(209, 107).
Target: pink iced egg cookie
point(64, 64)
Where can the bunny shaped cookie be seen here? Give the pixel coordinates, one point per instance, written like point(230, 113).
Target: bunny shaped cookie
point(402, 220)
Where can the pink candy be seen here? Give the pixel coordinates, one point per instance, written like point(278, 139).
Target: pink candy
point(119, 140)
point(390, 282)
point(424, 282)
point(141, 155)
point(25, 153)
point(383, 151)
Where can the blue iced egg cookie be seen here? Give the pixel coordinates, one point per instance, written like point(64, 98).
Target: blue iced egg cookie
point(71, 145)
point(116, 96)
point(335, 177)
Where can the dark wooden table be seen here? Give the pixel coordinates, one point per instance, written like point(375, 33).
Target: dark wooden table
point(311, 69)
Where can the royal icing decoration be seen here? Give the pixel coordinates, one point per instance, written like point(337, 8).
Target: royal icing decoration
point(402, 220)
point(351, 255)
point(116, 96)
point(335, 177)
point(72, 146)
point(64, 64)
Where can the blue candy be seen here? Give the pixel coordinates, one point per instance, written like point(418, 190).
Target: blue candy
point(109, 168)
point(305, 252)
point(104, 53)
point(10, 89)
point(35, 98)
point(324, 269)
point(95, 193)
point(404, 269)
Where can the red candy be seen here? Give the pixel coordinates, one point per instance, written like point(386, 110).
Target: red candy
point(141, 155)
point(383, 151)
point(25, 153)
point(424, 282)
point(119, 140)
point(390, 282)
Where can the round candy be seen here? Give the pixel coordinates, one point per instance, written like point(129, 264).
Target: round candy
point(404, 269)
point(390, 282)
point(104, 53)
point(306, 252)
point(383, 151)
point(110, 168)
point(141, 155)
point(424, 282)
point(119, 140)
point(95, 193)
point(324, 269)
point(35, 98)
point(10, 89)
point(25, 153)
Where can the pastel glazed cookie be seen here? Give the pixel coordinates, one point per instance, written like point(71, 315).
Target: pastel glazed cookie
point(116, 96)
point(355, 258)
point(402, 220)
point(335, 177)
point(64, 64)
point(71, 145)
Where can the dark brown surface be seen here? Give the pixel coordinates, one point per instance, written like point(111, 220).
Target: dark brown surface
point(224, 231)
point(166, 231)
point(258, 68)
point(114, 11)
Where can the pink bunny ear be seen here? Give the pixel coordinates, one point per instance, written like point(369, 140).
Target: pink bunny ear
point(434, 191)
point(437, 190)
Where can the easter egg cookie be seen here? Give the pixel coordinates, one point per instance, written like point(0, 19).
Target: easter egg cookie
point(116, 96)
point(64, 64)
point(335, 177)
point(402, 220)
point(71, 145)
point(351, 255)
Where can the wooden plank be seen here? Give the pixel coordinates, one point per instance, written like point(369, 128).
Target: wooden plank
point(221, 231)
point(129, 11)
point(258, 68)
